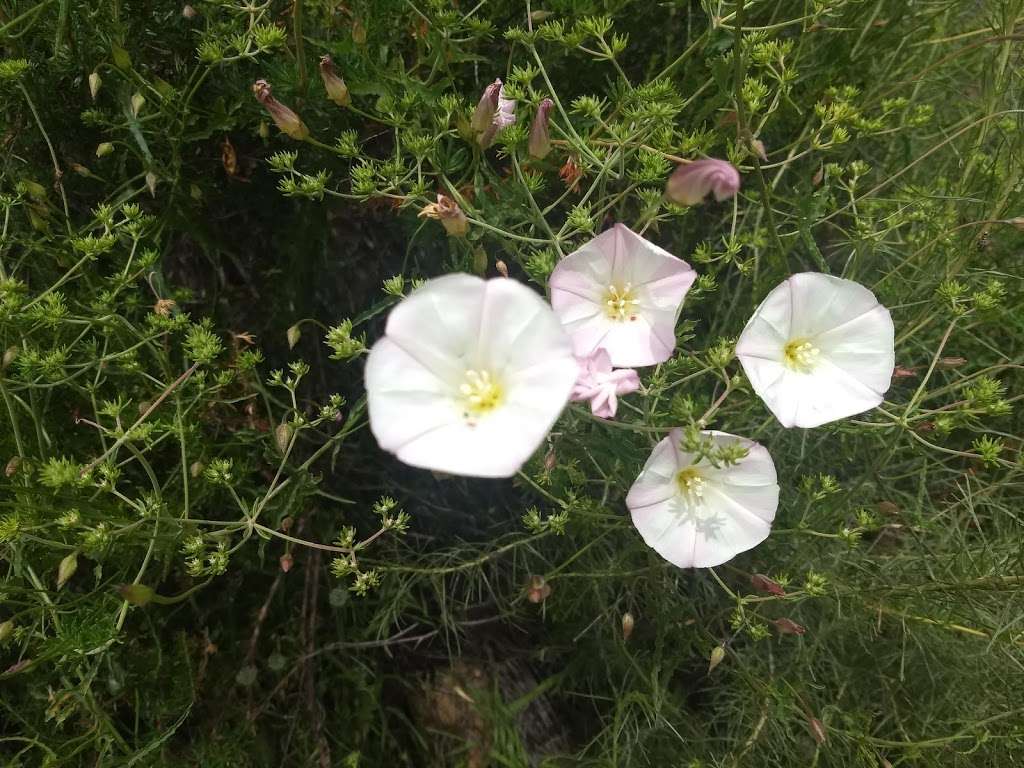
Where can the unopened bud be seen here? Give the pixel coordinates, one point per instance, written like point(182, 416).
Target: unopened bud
point(95, 81)
point(9, 354)
point(188, 12)
point(286, 562)
point(283, 436)
point(541, 15)
point(138, 100)
point(287, 523)
point(628, 622)
point(717, 654)
point(538, 590)
point(294, 333)
point(136, 594)
point(817, 730)
point(67, 569)
point(540, 138)
point(81, 170)
point(502, 267)
point(336, 89)
point(788, 627)
point(284, 118)
point(151, 180)
point(13, 465)
point(899, 372)
point(768, 586)
point(358, 32)
point(6, 629)
point(196, 469)
point(104, 149)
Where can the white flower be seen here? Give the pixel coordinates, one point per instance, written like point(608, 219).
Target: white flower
point(601, 385)
point(818, 349)
point(623, 293)
point(469, 377)
point(696, 515)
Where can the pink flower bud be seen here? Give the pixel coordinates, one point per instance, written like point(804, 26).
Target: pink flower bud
point(762, 583)
point(540, 140)
point(487, 106)
point(788, 627)
point(282, 116)
point(538, 590)
point(691, 183)
point(336, 89)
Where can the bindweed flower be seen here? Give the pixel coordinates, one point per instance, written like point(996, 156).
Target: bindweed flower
point(493, 114)
point(540, 140)
point(689, 184)
point(469, 377)
point(623, 293)
point(697, 515)
point(448, 212)
point(601, 385)
point(283, 117)
point(818, 348)
point(336, 89)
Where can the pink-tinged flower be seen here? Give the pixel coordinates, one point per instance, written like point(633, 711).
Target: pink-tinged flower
point(698, 515)
point(469, 377)
point(283, 117)
point(819, 348)
point(540, 139)
point(336, 89)
point(689, 184)
point(493, 114)
point(623, 293)
point(601, 385)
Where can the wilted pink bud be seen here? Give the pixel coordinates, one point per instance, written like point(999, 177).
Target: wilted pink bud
point(691, 183)
point(762, 583)
point(286, 562)
point(448, 212)
point(283, 117)
point(487, 106)
point(788, 627)
point(336, 89)
point(540, 140)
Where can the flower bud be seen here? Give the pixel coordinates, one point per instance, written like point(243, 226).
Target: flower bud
point(336, 89)
point(136, 594)
point(138, 101)
point(9, 355)
point(691, 183)
point(448, 212)
point(286, 562)
point(768, 586)
point(538, 590)
point(628, 622)
point(788, 627)
point(196, 469)
point(67, 569)
point(283, 436)
point(294, 333)
point(13, 465)
point(188, 12)
point(479, 261)
point(95, 81)
point(540, 139)
point(717, 654)
point(104, 149)
point(283, 117)
point(358, 31)
point(486, 107)
point(502, 267)
point(6, 629)
point(550, 460)
point(951, 362)
point(151, 180)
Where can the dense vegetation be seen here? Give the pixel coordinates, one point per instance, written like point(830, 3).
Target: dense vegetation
point(206, 559)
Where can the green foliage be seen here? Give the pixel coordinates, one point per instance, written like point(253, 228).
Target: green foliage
point(207, 560)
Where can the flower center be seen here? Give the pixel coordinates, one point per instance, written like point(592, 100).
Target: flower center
point(691, 486)
point(480, 394)
point(801, 356)
point(620, 302)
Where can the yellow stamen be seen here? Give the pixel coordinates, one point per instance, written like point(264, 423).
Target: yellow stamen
point(480, 393)
point(691, 486)
point(801, 356)
point(620, 302)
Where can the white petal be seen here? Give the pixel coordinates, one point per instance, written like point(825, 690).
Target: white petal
point(863, 348)
point(823, 302)
point(739, 504)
